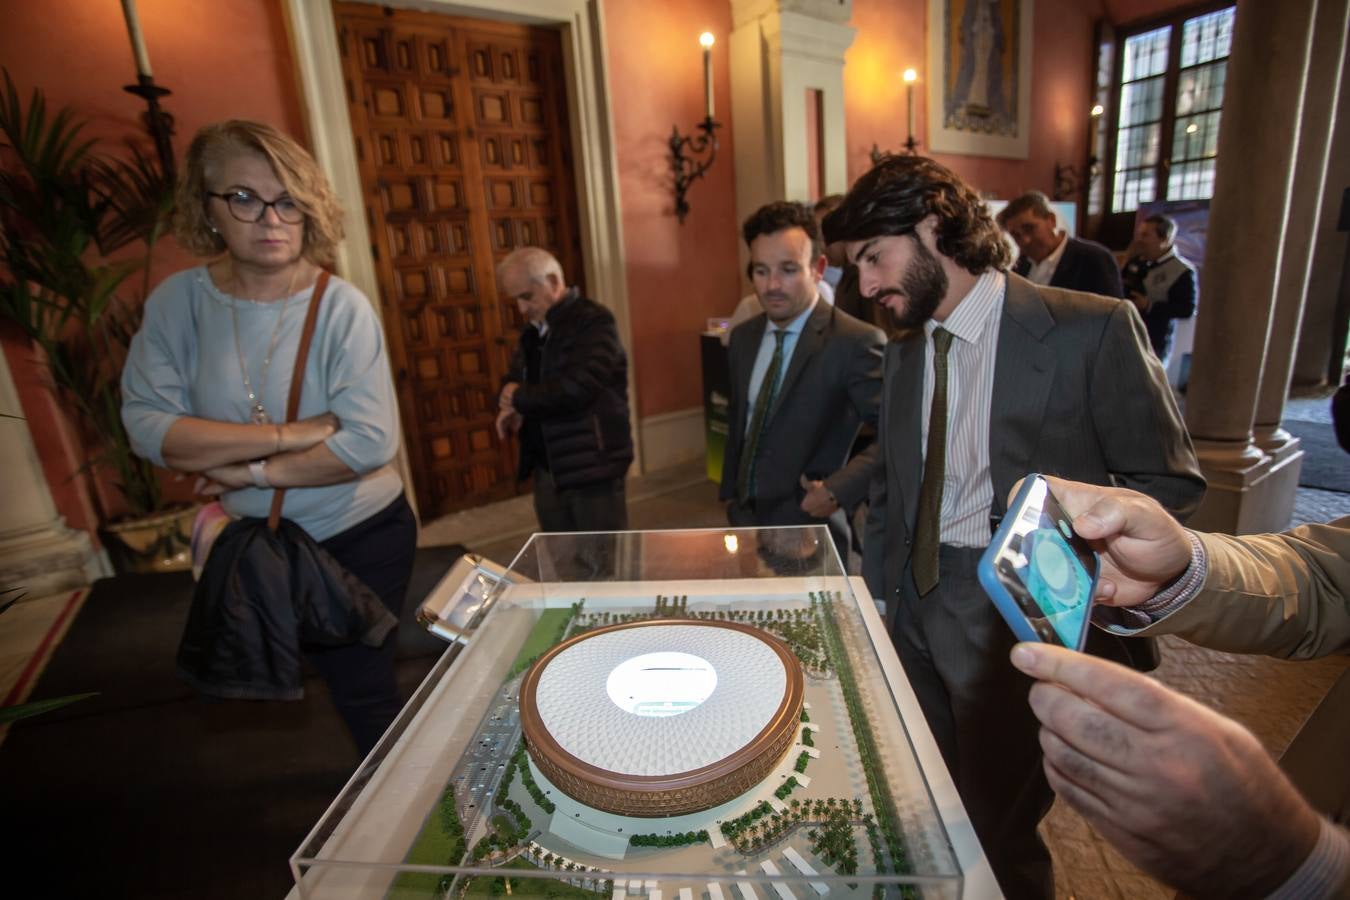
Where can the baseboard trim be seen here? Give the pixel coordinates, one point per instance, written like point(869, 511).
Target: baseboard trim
point(669, 439)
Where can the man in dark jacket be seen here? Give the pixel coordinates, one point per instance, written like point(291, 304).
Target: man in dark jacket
point(805, 376)
point(1049, 256)
point(566, 394)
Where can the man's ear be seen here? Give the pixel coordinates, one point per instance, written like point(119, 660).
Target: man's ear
point(818, 267)
point(926, 232)
point(555, 285)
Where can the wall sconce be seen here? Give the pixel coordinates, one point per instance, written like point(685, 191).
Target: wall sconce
point(158, 122)
point(1069, 180)
point(910, 76)
point(685, 149)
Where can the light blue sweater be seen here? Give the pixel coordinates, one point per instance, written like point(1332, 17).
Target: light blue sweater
point(183, 362)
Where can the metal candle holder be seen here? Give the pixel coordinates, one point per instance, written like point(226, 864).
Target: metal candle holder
point(688, 169)
point(158, 122)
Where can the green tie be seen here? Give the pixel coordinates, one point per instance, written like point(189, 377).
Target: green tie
point(928, 530)
point(745, 481)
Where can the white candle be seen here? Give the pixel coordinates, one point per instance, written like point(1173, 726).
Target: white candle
point(706, 39)
point(910, 77)
point(137, 41)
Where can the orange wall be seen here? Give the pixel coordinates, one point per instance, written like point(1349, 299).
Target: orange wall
point(678, 275)
point(892, 35)
point(221, 60)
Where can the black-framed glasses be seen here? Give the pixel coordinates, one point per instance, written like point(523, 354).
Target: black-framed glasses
point(248, 207)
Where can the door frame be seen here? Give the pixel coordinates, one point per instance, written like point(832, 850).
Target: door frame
point(312, 29)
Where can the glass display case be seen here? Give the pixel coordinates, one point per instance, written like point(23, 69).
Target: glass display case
point(665, 714)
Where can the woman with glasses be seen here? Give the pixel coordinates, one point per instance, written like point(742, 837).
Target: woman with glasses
point(207, 378)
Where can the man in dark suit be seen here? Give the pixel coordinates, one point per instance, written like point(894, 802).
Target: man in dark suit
point(1050, 256)
point(995, 377)
point(804, 377)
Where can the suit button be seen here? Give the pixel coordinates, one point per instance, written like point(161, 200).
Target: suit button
point(906, 542)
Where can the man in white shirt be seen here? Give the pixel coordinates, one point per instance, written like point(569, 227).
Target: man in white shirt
point(1050, 256)
point(995, 377)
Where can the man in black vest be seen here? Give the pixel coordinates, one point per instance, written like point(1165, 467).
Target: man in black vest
point(1049, 256)
point(566, 394)
point(1160, 282)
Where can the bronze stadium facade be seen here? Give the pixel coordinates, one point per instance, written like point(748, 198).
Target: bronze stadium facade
point(661, 717)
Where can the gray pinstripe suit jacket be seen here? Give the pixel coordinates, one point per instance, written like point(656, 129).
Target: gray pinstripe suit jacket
point(1077, 393)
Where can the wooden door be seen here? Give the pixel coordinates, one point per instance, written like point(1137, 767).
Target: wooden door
point(462, 141)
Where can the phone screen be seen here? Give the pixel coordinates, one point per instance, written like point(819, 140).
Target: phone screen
point(1047, 567)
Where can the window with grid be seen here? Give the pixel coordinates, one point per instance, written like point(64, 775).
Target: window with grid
point(1167, 125)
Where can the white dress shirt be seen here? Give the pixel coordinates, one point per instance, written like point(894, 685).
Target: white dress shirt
point(765, 356)
point(967, 489)
point(1043, 271)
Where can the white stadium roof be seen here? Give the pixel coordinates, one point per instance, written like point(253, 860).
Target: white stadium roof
point(577, 709)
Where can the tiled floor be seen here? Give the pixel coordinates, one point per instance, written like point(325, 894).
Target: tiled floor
point(1270, 697)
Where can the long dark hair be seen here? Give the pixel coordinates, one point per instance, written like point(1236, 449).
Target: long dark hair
point(900, 192)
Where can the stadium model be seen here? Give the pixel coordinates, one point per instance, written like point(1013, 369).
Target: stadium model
point(664, 717)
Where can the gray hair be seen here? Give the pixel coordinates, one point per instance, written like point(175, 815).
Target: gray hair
point(535, 263)
point(1033, 201)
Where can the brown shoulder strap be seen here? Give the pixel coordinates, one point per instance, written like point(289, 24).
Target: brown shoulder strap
point(298, 380)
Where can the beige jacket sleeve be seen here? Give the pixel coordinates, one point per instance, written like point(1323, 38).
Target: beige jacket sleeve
point(1285, 595)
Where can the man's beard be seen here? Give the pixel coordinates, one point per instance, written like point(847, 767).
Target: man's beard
point(923, 286)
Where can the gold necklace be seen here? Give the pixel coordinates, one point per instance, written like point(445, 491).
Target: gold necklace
point(257, 412)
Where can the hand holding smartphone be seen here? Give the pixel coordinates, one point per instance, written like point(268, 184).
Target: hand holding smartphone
point(1040, 574)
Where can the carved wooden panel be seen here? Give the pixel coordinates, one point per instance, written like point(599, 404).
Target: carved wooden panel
point(461, 130)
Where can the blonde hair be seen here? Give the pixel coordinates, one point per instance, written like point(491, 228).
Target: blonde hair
point(294, 168)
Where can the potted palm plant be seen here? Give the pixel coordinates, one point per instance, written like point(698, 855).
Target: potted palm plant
point(77, 234)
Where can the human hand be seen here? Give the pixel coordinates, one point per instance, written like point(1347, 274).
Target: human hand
point(306, 433)
point(1142, 548)
point(818, 502)
point(1184, 793)
point(222, 480)
point(504, 399)
point(508, 423)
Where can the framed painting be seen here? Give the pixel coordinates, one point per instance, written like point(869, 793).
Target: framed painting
point(979, 81)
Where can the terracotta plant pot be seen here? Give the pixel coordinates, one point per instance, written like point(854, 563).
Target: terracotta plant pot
point(158, 543)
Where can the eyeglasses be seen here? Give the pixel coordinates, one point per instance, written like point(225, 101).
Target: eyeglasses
point(248, 207)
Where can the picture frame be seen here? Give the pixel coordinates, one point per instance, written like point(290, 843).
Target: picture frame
point(979, 81)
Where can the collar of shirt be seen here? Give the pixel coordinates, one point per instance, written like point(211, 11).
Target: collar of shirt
point(973, 314)
point(1043, 271)
point(796, 325)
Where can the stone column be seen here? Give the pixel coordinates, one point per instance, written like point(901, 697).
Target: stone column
point(779, 50)
point(1329, 255)
point(1248, 217)
point(1320, 101)
point(38, 553)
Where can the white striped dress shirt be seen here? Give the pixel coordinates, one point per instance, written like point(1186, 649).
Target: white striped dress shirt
point(967, 490)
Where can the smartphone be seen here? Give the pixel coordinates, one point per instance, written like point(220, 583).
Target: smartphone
point(1040, 574)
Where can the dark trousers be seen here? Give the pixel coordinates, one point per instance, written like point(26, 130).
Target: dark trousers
point(601, 506)
point(954, 647)
point(362, 679)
